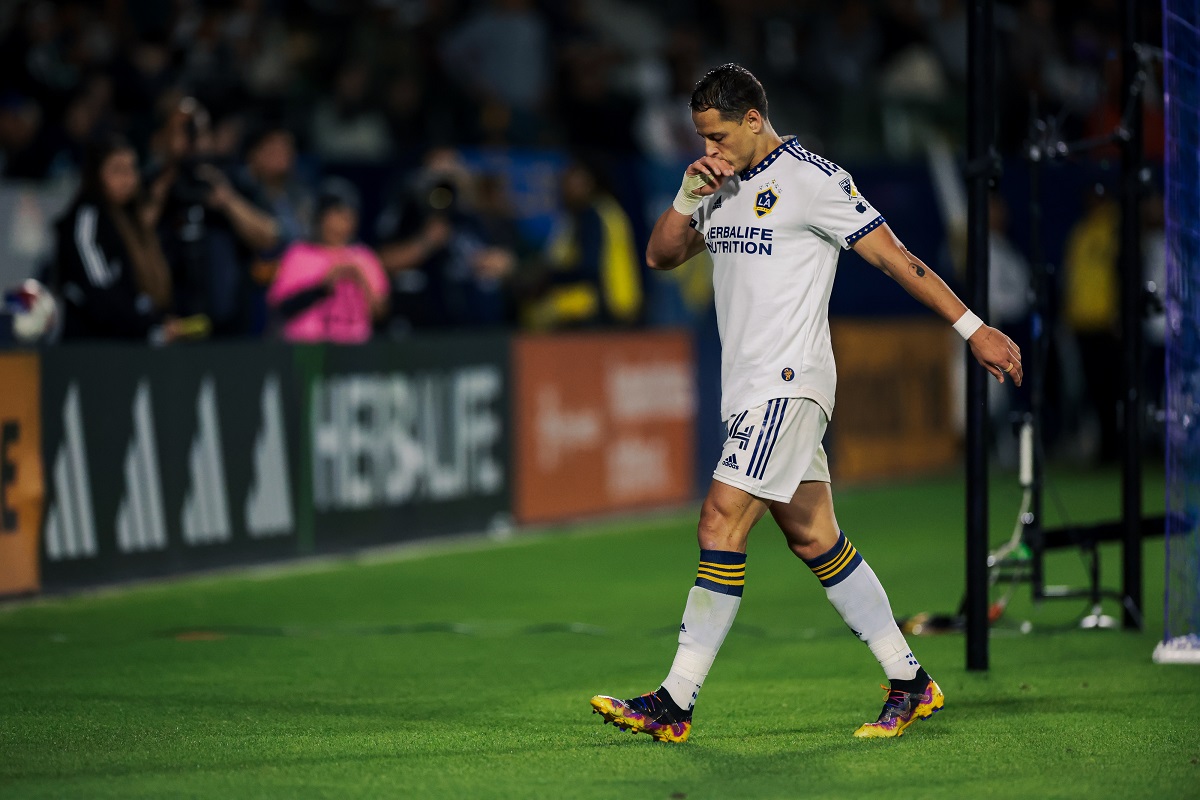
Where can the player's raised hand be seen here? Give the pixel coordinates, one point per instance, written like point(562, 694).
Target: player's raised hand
point(705, 175)
point(997, 353)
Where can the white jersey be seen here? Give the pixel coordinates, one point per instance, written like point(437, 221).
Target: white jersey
point(775, 233)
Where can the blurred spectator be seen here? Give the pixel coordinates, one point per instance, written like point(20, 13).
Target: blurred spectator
point(587, 95)
point(110, 270)
point(1010, 295)
point(501, 57)
point(330, 290)
point(346, 126)
point(1091, 297)
point(1009, 276)
point(87, 116)
point(26, 150)
point(448, 261)
point(143, 73)
point(592, 267)
point(665, 128)
point(271, 167)
point(407, 108)
point(210, 231)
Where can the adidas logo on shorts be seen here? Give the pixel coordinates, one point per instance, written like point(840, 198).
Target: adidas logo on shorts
point(730, 462)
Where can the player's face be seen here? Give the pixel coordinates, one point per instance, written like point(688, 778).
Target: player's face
point(731, 141)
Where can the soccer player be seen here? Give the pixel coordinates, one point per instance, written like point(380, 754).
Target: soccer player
point(774, 217)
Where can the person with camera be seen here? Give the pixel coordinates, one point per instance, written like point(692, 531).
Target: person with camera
point(330, 290)
point(211, 227)
point(109, 268)
point(450, 261)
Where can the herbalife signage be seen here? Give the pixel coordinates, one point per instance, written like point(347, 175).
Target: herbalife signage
point(408, 440)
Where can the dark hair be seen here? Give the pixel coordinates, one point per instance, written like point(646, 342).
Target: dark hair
point(732, 90)
point(91, 185)
point(333, 193)
point(260, 131)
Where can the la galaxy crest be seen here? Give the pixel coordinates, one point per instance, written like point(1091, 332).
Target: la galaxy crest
point(852, 193)
point(766, 199)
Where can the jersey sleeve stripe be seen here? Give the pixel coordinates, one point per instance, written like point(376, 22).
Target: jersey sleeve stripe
point(865, 229)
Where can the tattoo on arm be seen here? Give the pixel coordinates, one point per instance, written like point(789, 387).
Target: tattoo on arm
point(917, 268)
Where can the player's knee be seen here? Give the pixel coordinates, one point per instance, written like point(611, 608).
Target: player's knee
point(802, 548)
point(720, 528)
point(810, 542)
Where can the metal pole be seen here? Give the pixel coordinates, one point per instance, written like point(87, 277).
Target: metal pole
point(1035, 359)
point(980, 169)
point(1132, 302)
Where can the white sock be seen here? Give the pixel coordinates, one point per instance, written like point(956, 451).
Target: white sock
point(852, 588)
point(711, 607)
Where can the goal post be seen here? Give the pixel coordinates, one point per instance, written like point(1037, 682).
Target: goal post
point(1181, 70)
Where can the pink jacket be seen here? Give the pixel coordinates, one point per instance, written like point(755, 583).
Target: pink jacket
point(345, 315)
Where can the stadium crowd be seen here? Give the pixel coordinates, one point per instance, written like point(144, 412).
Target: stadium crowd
point(205, 135)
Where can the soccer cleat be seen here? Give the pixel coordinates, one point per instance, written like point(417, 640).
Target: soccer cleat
point(902, 709)
point(648, 714)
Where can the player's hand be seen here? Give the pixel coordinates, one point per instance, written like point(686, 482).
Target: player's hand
point(713, 170)
point(997, 353)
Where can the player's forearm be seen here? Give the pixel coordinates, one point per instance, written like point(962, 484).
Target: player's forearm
point(924, 284)
point(670, 241)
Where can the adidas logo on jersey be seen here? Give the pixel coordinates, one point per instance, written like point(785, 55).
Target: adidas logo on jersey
point(720, 202)
point(730, 462)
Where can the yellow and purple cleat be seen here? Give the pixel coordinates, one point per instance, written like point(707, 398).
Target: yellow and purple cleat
point(650, 713)
point(902, 709)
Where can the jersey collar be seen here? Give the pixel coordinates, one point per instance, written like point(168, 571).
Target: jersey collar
point(767, 161)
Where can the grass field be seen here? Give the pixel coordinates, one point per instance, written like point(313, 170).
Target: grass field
point(466, 673)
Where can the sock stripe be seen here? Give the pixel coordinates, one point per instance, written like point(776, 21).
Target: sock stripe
point(734, 590)
point(722, 567)
point(724, 581)
point(725, 558)
point(832, 568)
point(835, 565)
point(722, 571)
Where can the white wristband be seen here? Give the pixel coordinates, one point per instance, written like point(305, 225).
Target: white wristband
point(967, 324)
point(686, 200)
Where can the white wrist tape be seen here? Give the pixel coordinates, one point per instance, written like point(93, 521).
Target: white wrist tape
point(967, 324)
point(686, 199)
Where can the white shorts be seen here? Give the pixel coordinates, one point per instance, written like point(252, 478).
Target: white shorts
point(772, 449)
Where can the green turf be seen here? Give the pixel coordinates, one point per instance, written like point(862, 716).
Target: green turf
point(467, 674)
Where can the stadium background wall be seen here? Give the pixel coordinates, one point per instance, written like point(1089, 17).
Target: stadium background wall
point(133, 462)
point(21, 489)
